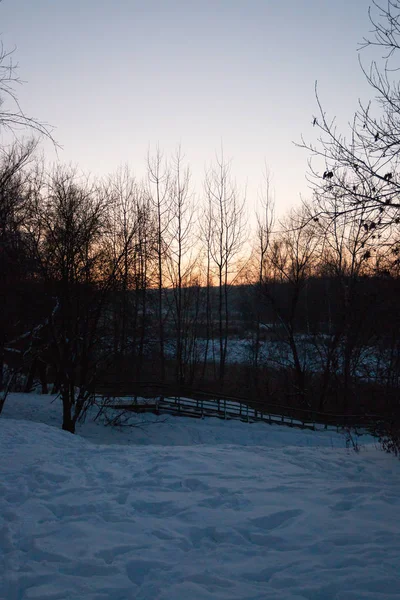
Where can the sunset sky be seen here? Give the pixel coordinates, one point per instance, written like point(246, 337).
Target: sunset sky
point(117, 78)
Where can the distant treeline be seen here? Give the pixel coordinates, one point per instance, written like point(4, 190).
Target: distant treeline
point(125, 281)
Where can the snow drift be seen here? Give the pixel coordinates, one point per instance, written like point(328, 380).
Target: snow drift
point(298, 517)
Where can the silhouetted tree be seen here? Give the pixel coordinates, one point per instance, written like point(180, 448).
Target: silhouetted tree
point(159, 193)
point(361, 169)
point(72, 222)
point(226, 217)
point(12, 117)
point(15, 243)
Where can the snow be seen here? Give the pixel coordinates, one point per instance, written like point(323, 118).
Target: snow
point(368, 363)
point(187, 509)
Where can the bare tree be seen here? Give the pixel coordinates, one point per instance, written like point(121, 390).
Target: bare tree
point(206, 225)
point(361, 169)
point(346, 253)
point(128, 209)
point(226, 216)
point(181, 257)
point(15, 259)
point(355, 179)
point(159, 193)
point(12, 117)
point(265, 222)
point(291, 261)
point(70, 222)
point(13, 187)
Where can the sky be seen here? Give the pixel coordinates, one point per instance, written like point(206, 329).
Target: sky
point(118, 78)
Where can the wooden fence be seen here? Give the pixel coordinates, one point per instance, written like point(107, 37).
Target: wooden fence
point(162, 399)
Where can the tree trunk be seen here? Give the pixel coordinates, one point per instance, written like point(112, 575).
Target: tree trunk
point(68, 423)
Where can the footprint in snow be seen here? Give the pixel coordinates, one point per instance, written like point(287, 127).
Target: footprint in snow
point(277, 519)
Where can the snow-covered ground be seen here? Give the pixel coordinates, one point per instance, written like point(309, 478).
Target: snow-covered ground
point(182, 509)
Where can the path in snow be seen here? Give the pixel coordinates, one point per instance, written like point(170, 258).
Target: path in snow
point(236, 521)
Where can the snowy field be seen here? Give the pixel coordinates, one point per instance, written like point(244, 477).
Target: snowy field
point(176, 509)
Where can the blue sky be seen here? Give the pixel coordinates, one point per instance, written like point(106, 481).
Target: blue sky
point(116, 78)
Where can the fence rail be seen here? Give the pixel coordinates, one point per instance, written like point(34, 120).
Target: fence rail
point(163, 399)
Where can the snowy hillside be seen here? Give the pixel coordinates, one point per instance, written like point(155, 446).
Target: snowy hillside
point(179, 509)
